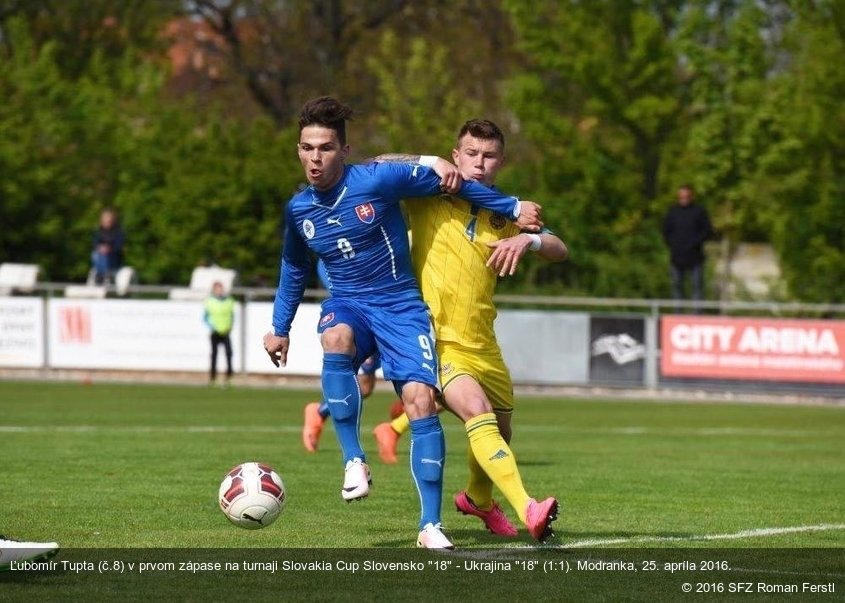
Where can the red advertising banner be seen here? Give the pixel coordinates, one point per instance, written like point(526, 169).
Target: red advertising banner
point(755, 349)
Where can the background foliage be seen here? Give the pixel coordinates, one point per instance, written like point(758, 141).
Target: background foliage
point(181, 115)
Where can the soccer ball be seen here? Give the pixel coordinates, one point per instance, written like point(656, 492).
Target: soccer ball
point(252, 495)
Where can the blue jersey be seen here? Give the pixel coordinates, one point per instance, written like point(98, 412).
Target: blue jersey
point(323, 276)
point(356, 228)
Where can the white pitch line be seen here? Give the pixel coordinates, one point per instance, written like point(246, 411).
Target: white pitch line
point(634, 430)
point(149, 429)
point(741, 535)
point(507, 550)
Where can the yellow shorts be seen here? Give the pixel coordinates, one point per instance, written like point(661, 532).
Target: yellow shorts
point(486, 366)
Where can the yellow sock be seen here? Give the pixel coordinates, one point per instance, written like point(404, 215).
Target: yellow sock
point(496, 459)
point(401, 424)
point(480, 486)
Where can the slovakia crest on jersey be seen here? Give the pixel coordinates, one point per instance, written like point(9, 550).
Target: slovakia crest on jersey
point(366, 213)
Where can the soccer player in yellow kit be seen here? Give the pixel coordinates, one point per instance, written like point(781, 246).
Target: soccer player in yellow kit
point(455, 248)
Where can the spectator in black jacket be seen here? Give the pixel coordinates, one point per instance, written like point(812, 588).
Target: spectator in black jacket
point(107, 256)
point(685, 229)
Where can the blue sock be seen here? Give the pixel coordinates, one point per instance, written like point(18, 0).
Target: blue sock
point(428, 454)
point(343, 397)
point(324, 410)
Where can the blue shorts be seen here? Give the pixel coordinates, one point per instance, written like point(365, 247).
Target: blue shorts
point(400, 331)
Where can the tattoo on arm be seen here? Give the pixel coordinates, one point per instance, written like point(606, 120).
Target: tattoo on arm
point(397, 158)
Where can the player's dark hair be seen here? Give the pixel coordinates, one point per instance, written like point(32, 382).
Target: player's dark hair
point(483, 129)
point(327, 112)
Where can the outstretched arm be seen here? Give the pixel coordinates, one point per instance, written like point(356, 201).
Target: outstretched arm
point(450, 176)
point(408, 181)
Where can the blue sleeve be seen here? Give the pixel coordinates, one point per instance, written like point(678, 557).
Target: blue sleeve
point(407, 179)
point(294, 271)
point(488, 198)
point(410, 180)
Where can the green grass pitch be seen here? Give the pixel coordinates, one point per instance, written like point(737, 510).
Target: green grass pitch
point(139, 466)
point(131, 473)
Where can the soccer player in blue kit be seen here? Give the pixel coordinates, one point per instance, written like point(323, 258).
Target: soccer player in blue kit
point(350, 217)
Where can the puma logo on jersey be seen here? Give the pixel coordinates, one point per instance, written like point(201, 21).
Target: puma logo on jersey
point(428, 367)
point(335, 221)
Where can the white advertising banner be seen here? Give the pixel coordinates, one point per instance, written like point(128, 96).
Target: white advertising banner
point(305, 356)
point(130, 334)
point(21, 332)
point(545, 347)
point(542, 347)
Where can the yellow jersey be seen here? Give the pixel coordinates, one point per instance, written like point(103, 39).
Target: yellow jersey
point(450, 253)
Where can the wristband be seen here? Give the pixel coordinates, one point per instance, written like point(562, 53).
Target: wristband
point(428, 160)
point(536, 241)
point(516, 209)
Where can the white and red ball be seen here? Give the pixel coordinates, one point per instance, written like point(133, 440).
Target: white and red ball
point(252, 495)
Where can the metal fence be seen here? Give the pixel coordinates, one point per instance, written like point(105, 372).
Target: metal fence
point(640, 343)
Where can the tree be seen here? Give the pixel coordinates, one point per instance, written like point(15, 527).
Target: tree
point(55, 156)
point(802, 168)
point(618, 61)
point(419, 103)
point(602, 94)
point(730, 49)
point(284, 51)
point(288, 52)
point(82, 31)
point(191, 186)
point(200, 188)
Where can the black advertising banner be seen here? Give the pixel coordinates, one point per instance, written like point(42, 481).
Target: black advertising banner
point(617, 350)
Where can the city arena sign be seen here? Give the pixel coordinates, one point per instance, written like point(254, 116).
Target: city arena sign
point(809, 351)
